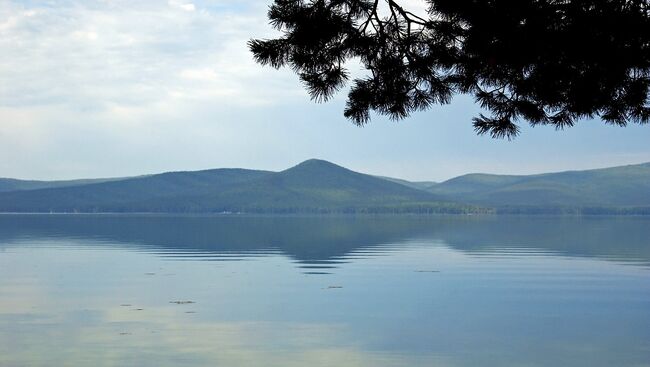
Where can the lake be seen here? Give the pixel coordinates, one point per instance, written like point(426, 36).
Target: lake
point(144, 290)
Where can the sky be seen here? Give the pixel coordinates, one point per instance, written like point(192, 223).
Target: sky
point(101, 88)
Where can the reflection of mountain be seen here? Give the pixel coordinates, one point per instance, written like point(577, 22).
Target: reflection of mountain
point(303, 238)
point(318, 240)
point(603, 237)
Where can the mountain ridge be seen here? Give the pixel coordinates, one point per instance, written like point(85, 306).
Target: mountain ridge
point(319, 186)
point(313, 186)
point(621, 186)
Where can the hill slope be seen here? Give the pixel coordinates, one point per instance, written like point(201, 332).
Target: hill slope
point(12, 184)
point(625, 186)
point(120, 195)
point(317, 186)
point(421, 185)
point(312, 186)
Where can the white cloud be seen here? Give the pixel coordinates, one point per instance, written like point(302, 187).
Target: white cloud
point(96, 53)
point(199, 74)
point(181, 5)
point(85, 35)
point(84, 83)
point(111, 88)
point(417, 7)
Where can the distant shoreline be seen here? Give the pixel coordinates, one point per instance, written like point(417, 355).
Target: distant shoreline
point(317, 187)
point(334, 214)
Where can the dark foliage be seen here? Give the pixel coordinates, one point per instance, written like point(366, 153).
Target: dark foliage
point(544, 61)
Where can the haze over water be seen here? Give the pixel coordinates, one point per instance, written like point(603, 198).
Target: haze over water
point(135, 290)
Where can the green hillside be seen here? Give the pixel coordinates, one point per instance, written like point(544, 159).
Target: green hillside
point(317, 186)
point(617, 187)
point(120, 195)
point(11, 184)
point(421, 185)
point(313, 186)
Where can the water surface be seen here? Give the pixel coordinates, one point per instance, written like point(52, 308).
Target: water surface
point(324, 291)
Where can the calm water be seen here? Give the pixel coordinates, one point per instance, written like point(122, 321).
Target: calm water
point(389, 291)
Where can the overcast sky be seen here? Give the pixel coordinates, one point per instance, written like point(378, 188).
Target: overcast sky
point(116, 88)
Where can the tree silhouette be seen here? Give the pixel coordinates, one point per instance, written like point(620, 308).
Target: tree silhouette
point(548, 62)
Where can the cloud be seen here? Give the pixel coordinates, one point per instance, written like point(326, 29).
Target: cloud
point(94, 54)
point(121, 87)
point(83, 81)
point(181, 5)
point(199, 74)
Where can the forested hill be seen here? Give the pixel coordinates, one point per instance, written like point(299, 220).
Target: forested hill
point(624, 189)
point(317, 186)
point(314, 186)
point(12, 184)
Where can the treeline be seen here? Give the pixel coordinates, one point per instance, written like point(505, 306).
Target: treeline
point(402, 208)
point(442, 208)
point(556, 210)
point(418, 209)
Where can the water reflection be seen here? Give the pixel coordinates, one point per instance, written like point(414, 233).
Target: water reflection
point(344, 291)
point(328, 242)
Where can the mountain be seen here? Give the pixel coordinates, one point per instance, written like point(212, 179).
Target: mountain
point(121, 195)
point(320, 185)
point(616, 187)
point(317, 186)
point(314, 186)
point(421, 185)
point(11, 184)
